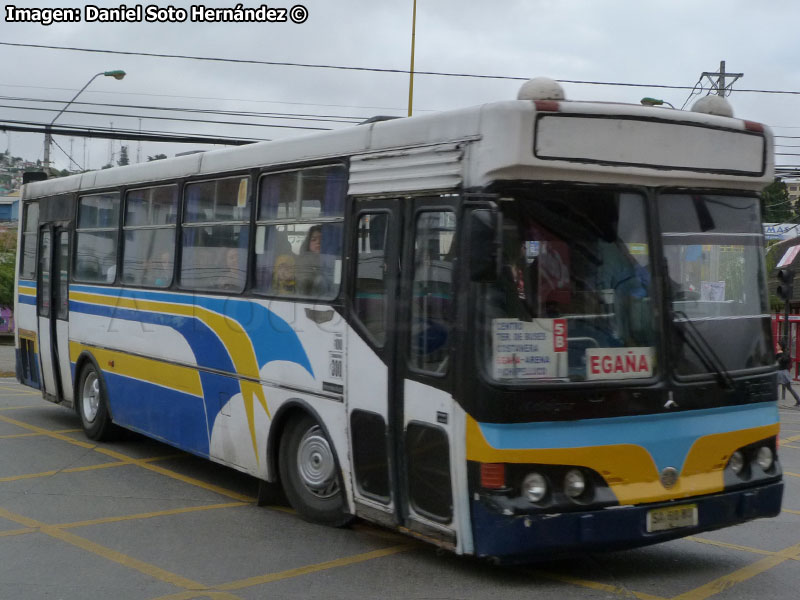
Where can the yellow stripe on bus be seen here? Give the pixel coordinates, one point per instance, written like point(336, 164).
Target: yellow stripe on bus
point(232, 335)
point(175, 377)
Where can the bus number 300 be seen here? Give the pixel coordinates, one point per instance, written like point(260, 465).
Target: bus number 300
point(336, 368)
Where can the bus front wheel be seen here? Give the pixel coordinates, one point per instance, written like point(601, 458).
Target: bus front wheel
point(92, 405)
point(310, 474)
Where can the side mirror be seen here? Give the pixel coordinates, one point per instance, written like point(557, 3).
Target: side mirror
point(483, 237)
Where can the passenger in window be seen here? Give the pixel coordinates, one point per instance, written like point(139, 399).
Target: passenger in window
point(283, 278)
point(310, 278)
point(233, 276)
point(159, 270)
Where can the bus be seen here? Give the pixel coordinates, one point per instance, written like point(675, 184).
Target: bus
point(529, 328)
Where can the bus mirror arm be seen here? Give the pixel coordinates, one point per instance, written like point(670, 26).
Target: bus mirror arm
point(484, 243)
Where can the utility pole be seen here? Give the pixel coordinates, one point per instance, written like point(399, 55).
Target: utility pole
point(719, 85)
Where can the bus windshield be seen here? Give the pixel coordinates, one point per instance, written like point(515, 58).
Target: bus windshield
point(573, 301)
point(712, 247)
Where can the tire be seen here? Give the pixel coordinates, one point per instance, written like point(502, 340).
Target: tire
point(310, 474)
point(92, 405)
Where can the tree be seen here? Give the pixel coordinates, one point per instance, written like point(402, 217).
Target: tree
point(775, 204)
point(156, 157)
point(107, 166)
point(123, 157)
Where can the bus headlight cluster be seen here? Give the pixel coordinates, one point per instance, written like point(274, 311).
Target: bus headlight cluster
point(743, 461)
point(538, 487)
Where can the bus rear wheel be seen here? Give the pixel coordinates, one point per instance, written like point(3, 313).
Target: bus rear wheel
point(310, 474)
point(92, 405)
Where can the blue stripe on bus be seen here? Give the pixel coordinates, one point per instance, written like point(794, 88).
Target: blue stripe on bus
point(165, 414)
point(272, 337)
point(23, 299)
point(208, 349)
point(667, 437)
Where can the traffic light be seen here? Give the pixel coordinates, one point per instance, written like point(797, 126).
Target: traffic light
point(785, 284)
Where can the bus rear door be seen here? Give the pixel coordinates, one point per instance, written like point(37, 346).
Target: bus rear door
point(53, 311)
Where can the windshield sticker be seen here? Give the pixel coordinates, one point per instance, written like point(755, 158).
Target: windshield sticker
point(529, 349)
point(619, 363)
point(712, 291)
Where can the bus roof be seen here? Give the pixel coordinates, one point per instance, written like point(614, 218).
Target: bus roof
point(518, 139)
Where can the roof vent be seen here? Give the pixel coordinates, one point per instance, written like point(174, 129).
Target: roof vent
point(713, 105)
point(541, 88)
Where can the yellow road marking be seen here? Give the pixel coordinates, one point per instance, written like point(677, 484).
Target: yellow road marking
point(104, 552)
point(81, 469)
point(133, 461)
point(731, 546)
point(11, 532)
point(728, 581)
point(594, 585)
point(150, 515)
point(789, 446)
point(788, 510)
point(19, 392)
point(316, 568)
point(791, 474)
point(57, 471)
point(11, 436)
point(204, 595)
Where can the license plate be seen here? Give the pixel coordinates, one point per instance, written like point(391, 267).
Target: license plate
point(671, 517)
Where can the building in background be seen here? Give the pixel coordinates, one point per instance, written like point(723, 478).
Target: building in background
point(9, 207)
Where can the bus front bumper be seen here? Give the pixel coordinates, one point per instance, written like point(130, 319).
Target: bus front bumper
point(531, 537)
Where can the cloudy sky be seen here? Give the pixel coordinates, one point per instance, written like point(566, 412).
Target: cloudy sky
point(667, 43)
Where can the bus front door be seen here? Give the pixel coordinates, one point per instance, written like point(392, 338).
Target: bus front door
point(53, 312)
point(400, 410)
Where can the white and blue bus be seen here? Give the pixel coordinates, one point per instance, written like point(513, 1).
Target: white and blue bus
point(517, 330)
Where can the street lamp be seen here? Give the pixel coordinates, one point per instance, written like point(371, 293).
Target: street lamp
point(48, 137)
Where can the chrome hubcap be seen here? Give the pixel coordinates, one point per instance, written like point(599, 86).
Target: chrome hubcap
point(90, 397)
point(315, 464)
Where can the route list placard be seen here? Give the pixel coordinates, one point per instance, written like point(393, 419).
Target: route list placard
point(529, 349)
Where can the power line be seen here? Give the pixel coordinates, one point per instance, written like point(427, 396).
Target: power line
point(273, 115)
point(203, 121)
point(347, 68)
point(258, 101)
point(366, 69)
point(123, 134)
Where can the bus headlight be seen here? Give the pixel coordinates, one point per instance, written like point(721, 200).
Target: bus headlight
point(765, 458)
point(574, 483)
point(736, 463)
point(534, 487)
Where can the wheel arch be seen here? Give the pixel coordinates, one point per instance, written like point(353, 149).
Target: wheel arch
point(288, 411)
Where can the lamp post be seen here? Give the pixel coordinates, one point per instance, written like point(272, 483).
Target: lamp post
point(48, 138)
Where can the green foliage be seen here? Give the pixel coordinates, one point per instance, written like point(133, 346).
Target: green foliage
point(156, 157)
point(775, 204)
point(8, 257)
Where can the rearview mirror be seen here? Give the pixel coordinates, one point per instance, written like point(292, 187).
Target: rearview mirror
point(483, 237)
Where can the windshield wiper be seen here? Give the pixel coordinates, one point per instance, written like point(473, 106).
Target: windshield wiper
point(700, 346)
